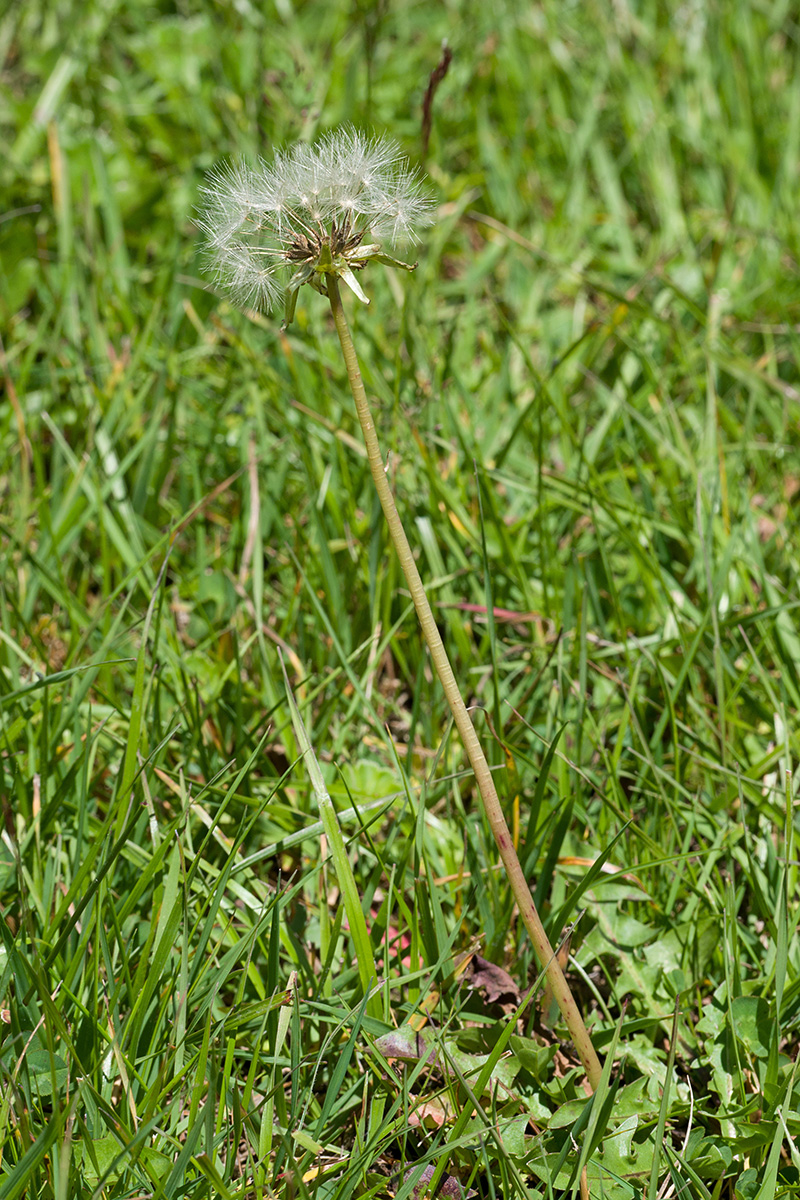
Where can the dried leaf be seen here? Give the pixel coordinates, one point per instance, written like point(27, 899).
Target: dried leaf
point(449, 1185)
point(495, 984)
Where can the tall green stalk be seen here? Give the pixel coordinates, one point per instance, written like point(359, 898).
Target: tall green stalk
point(483, 776)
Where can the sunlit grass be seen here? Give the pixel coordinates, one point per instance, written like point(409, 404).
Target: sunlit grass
point(590, 393)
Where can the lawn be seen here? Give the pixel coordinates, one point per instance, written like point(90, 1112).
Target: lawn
point(220, 733)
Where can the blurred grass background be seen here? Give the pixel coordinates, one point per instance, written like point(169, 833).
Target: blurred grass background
point(590, 392)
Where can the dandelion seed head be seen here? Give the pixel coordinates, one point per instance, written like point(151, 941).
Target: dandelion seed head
point(312, 205)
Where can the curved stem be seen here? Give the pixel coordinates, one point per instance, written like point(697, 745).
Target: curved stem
point(483, 776)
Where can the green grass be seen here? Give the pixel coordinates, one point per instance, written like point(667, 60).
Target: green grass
point(591, 392)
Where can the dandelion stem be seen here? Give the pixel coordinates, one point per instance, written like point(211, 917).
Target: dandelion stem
point(483, 776)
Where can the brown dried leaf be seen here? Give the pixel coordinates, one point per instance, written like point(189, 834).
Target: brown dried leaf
point(449, 1185)
point(495, 985)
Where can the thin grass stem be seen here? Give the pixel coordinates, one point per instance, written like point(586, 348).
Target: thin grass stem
point(483, 776)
